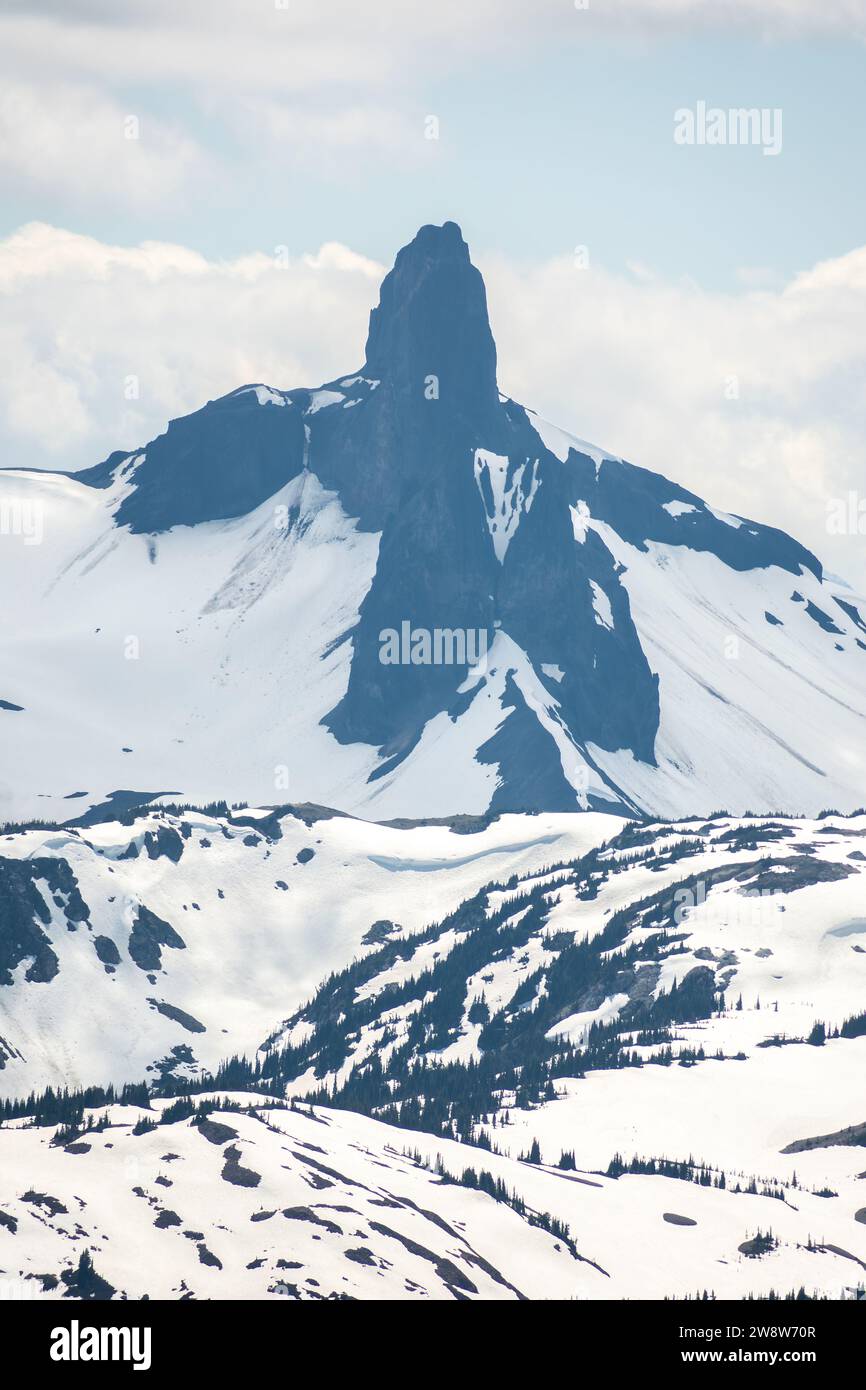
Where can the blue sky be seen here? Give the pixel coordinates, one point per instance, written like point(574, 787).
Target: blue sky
point(564, 140)
point(281, 161)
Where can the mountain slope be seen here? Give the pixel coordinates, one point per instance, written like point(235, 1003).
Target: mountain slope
point(191, 934)
point(406, 595)
point(721, 938)
point(633, 1073)
point(263, 1201)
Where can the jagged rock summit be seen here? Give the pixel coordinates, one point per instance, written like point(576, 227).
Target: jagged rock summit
point(404, 594)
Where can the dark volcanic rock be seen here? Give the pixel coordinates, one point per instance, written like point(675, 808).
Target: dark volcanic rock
point(215, 1132)
point(106, 951)
point(852, 1137)
point(164, 841)
point(180, 1016)
point(190, 474)
point(23, 914)
point(233, 1171)
point(149, 934)
point(379, 932)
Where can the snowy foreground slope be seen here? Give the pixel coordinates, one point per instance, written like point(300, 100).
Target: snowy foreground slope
point(249, 606)
point(272, 1202)
point(191, 935)
point(627, 1068)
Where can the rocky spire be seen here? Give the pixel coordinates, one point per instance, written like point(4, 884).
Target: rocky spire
point(431, 321)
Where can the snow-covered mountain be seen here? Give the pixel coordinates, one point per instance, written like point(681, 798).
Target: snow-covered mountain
point(263, 1201)
point(191, 935)
point(450, 1040)
point(629, 1066)
point(403, 594)
point(716, 936)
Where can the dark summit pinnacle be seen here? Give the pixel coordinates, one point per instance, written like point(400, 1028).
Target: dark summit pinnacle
point(483, 539)
point(431, 320)
point(430, 351)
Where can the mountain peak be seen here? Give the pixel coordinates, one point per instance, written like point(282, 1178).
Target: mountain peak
point(438, 243)
point(432, 322)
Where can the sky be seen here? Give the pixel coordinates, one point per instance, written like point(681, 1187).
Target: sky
point(202, 193)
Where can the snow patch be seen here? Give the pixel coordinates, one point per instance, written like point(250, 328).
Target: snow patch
point(580, 519)
point(560, 443)
point(320, 400)
point(601, 606)
point(508, 502)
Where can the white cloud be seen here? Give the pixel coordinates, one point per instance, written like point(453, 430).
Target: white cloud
point(320, 84)
point(299, 87)
point(640, 365)
point(768, 18)
point(79, 318)
point(81, 143)
point(754, 400)
point(325, 139)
